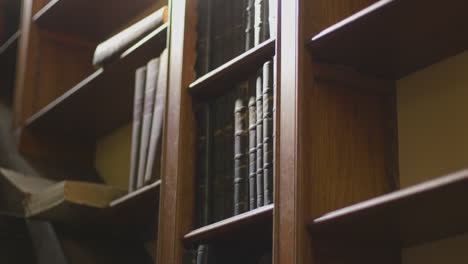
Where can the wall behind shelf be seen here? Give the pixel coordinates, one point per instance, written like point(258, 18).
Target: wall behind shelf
point(432, 124)
point(113, 156)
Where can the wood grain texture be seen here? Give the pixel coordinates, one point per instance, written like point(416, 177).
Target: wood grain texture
point(177, 196)
point(332, 137)
point(413, 215)
point(66, 116)
point(388, 40)
point(234, 228)
point(102, 18)
point(210, 84)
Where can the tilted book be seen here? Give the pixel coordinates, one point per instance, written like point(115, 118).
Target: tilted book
point(116, 45)
point(252, 154)
point(140, 77)
point(153, 166)
point(241, 153)
point(268, 132)
point(152, 73)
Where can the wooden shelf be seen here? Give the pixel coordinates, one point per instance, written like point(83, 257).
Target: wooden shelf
point(421, 213)
point(257, 220)
point(103, 101)
point(387, 38)
point(82, 205)
point(89, 19)
point(209, 84)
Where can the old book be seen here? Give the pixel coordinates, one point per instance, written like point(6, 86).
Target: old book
point(268, 132)
point(229, 156)
point(217, 49)
point(241, 153)
point(259, 21)
point(116, 45)
point(259, 126)
point(238, 24)
point(219, 156)
point(272, 13)
point(252, 154)
point(152, 73)
point(204, 40)
point(153, 166)
point(140, 77)
point(249, 25)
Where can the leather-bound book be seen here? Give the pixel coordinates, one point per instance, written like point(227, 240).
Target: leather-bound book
point(259, 22)
point(153, 166)
point(204, 27)
point(140, 77)
point(249, 25)
point(259, 107)
point(272, 13)
point(219, 155)
point(268, 131)
point(117, 44)
point(252, 153)
point(229, 156)
point(241, 157)
point(152, 73)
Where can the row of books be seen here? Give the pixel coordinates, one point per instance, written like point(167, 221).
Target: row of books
point(227, 28)
point(148, 121)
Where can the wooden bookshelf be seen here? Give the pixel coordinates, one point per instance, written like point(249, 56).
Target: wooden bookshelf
point(10, 45)
point(387, 39)
point(414, 215)
point(88, 19)
point(255, 221)
point(210, 83)
point(103, 101)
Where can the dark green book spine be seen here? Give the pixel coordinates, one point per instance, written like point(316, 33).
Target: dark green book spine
point(218, 158)
point(259, 106)
point(241, 154)
point(249, 26)
point(268, 131)
point(252, 154)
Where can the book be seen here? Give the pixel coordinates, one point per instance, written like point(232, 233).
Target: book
point(152, 73)
point(219, 158)
point(153, 166)
point(117, 44)
point(204, 27)
point(272, 13)
point(249, 25)
point(268, 132)
point(259, 126)
point(140, 76)
point(252, 153)
point(259, 21)
point(241, 155)
point(229, 156)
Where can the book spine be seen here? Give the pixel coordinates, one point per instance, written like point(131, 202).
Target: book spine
point(249, 26)
point(217, 51)
point(272, 13)
point(114, 46)
point(258, 21)
point(140, 76)
point(259, 106)
point(229, 157)
point(153, 166)
point(152, 69)
point(252, 154)
point(219, 157)
point(204, 37)
point(228, 31)
point(268, 131)
point(240, 158)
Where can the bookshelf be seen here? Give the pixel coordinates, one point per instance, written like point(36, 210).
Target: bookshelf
point(63, 107)
point(338, 195)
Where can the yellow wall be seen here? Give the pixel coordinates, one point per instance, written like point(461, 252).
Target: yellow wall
point(113, 157)
point(433, 140)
